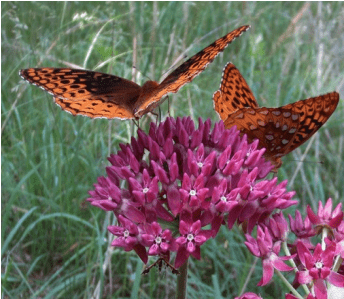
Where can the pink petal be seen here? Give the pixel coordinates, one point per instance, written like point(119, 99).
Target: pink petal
point(268, 272)
point(190, 247)
point(328, 209)
point(320, 289)
point(197, 253)
point(183, 227)
point(304, 277)
point(181, 257)
point(336, 279)
point(279, 265)
point(154, 250)
point(312, 216)
point(141, 252)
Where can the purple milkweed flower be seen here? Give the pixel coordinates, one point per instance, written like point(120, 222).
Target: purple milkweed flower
point(317, 268)
point(249, 295)
point(325, 216)
point(268, 251)
point(166, 186)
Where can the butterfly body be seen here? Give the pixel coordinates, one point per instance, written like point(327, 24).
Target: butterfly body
point(143, 105)
point(100, 95)
point(279, 130)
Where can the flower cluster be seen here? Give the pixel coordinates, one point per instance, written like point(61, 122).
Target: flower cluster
point(319, 266)
point(171, 190)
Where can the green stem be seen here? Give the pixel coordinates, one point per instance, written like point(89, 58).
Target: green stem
point(325, 232)
point(247, 280)
point(181, 281)
point(287, 252)
point(337, 263)
point(292, 262)
point(290, 287)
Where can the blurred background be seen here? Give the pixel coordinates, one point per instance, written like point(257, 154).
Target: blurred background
point(54, 244)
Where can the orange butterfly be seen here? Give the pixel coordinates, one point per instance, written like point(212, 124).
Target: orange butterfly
point(96, 94)
point(279, 130)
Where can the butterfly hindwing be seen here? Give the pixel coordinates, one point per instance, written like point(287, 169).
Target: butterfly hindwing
point(94, 108)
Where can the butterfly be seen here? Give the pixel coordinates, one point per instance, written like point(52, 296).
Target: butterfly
point(279, 130)
point(95, 94)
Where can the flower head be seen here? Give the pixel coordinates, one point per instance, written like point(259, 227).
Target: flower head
point(165, 187)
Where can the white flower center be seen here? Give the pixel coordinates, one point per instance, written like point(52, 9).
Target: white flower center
point(109, 197)
point(318, 265)
point(200, 164)
point(126, 233)
point(158, 240)
point(145, 190)
point(223, 198)
point(190, 237)
point(192, 192)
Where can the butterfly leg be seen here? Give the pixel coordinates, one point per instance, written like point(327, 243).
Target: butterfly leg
point(136, 122)
point(168, 106)
point(157, 116)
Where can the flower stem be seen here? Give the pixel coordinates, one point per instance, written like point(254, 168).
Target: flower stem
point(337, 263)
point(323, 236)
point(292, 262)
point(181, 281)
point(249, 275)
point(290, 287)
point(287, 252)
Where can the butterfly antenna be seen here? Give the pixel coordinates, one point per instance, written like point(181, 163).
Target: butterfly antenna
point(305, 161)
point(182, 57)
point(143, 75)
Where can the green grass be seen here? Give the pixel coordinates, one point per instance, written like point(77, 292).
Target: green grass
point(53, 244)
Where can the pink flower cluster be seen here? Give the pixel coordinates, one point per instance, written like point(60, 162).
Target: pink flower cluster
point(171, 190)
point(319, 265)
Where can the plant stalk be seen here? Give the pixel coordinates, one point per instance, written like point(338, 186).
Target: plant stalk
point(181, 281)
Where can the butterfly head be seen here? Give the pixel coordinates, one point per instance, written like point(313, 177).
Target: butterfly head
point(148, 99)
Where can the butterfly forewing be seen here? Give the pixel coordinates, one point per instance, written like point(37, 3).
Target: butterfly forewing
point(190, 69)
point(87, 93)
point(234, 93)
point(314, 112)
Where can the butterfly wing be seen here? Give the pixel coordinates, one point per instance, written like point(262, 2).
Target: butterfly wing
point(88, 93)
point(234, 93)
point(281, 130)
point(186, 72)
